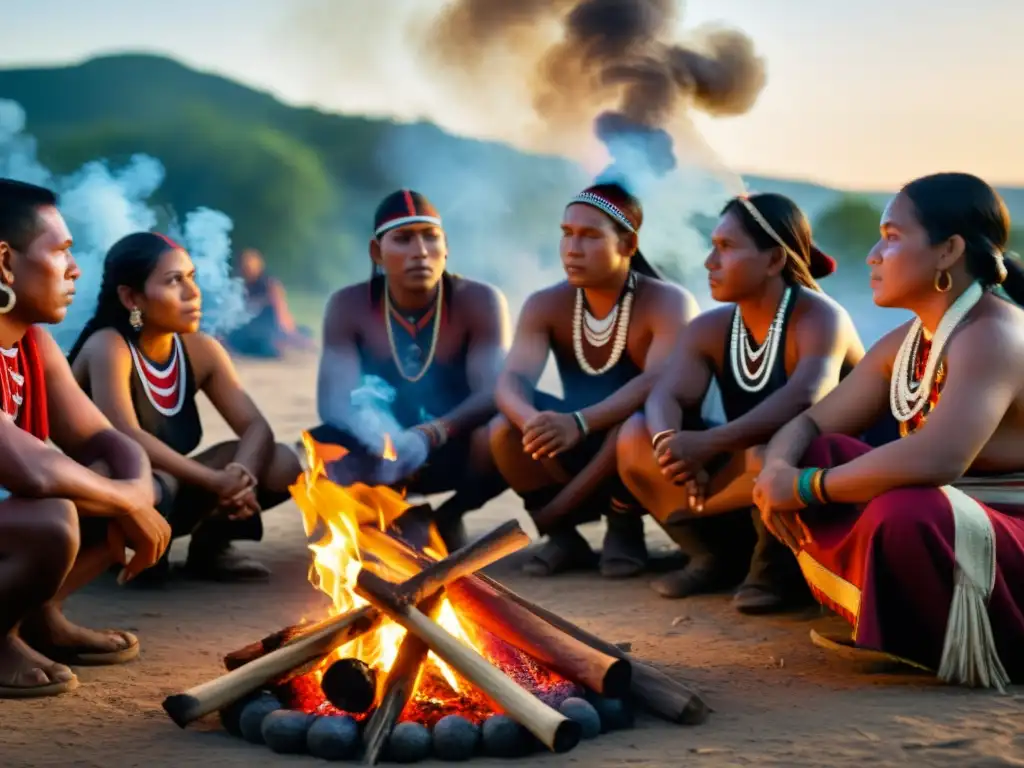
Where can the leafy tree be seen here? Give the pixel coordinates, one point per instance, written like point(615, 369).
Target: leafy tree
point(849, 228)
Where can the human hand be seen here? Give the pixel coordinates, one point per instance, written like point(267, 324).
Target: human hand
point(682, 454)
point(230, 483)
point(776, 499)
point(141, 527)
point(696, 490)
point(549, 433)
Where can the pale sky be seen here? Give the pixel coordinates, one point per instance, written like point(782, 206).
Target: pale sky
point(862, 95)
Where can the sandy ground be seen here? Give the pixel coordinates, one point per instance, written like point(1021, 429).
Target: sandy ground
point(778, 700)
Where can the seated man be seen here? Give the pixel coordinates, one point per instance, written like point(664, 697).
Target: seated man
point(437, 342)
point(62, 521)
point(780, 346)
point(919, 543)
point(610, 326)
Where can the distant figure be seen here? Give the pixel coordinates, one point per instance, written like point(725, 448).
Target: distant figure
point(919, 543)
point(437, 341)
point(611, 326)
point(271, 329)
point(777, 346)
point(143, 360)
point(62, 521)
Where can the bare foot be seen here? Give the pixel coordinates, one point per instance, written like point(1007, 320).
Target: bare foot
point(23, 669)
point(49, 631)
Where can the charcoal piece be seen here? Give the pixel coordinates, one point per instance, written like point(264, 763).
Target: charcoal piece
point(615, 714)
point(284, 731)
point(455, 738)
point(231, 715)
point(333, 738)
point(582, 712)
point(555, 696)
point(504, 737)
point(408, 743)
point(350, 685)
point(250, 722)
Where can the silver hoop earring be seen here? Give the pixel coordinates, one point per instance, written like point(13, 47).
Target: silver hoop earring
point(11, 298)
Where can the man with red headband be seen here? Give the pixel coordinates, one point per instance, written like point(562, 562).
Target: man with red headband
point(777, 348)
point(429, 345)
point(610, 326)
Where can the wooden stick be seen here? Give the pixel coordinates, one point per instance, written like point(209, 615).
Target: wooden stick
point(210, 696)
point(557, 732)
point(658, 692)
point(399, 686)
point(558, 651)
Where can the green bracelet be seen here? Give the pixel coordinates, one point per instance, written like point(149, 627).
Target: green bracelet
point(805, 487)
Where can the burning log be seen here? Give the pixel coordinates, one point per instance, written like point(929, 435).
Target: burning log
point(336, 631)
point(658, 692)
point(350, 685)
point(557, 732)
point(398, 687)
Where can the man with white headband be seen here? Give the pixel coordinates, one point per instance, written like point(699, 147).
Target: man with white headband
point(438, 341)
point(610, 327)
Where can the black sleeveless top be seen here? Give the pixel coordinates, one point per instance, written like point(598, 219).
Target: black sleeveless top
point(736, 401)
point(183, 431)
point(443, 387)
point(582, 389)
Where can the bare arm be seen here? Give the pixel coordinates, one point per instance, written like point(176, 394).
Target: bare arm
point(852, 407)
point(109, 368)
point(524, 364)
point(670, 316)
point(684, 381)
point(33, 468)
point(985, 367)
point(279, 301)
point(222, 386)
point(821, 350)
point(489, 340)
point(340, 370)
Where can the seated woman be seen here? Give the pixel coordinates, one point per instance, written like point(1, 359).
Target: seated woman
point(62, 521)
point(611, 325)
point(142, 359)
point(919, 543)
point(431, 344)
point(778, 347)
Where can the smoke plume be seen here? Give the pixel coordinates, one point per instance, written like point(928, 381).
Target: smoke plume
point(102, 205)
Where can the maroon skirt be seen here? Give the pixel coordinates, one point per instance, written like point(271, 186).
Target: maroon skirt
point(889, 566)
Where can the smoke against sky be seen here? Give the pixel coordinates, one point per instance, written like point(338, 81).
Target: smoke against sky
point(102, 204)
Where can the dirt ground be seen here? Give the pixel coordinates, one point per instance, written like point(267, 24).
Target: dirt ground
point(777, 699)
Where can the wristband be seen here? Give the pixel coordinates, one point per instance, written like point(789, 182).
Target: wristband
point(581, 423)
point(660, 437)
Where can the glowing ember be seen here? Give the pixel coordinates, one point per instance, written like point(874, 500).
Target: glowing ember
point(388, 454)
point(343, 525)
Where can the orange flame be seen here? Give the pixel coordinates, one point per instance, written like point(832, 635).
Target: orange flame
point(388, 454)
point(333, 517)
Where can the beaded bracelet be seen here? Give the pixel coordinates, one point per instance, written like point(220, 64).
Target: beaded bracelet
point(809, 487)
point(581, 423)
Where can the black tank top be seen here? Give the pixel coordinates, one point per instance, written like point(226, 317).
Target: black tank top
point(737, 401)
point(180, 428)
point(443, 387)
point(582, 389)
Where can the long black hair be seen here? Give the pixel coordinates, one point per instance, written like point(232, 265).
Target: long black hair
point(129, 262)
point(791, 225)
point(948, 204)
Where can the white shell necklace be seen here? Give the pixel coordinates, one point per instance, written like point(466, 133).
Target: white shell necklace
point(600, 332)
point(752, 367)
point(907, 397)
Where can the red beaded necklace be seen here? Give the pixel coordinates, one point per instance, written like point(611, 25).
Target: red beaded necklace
point(164, 386)
point(13, 383)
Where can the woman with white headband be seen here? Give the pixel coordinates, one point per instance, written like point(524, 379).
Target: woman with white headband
point(919, 543)
point(610, 326)
point(778, 346)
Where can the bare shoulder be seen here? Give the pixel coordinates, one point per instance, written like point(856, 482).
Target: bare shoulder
point(349, 301)
point(550, 300)
point(993, 330)
point(817, 306)
point(104, 346)
point(205, 353)
point(668, 300)
point(480, 298)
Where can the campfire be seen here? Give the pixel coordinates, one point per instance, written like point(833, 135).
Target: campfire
point(421, 652)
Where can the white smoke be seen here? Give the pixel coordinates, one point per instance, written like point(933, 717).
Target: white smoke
point(102, 205)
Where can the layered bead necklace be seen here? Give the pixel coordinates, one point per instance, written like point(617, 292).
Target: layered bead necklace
point(752, 367)
point(599, 332)
point(413, 350)
point(13, 382)
point(164, 386)
point(910, 389)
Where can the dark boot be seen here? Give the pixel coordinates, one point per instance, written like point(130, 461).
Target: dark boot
point(624, 552)
point(211, 556)
point(774, 582)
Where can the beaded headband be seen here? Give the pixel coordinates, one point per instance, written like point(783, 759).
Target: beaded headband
point(387, 226)
point(596, 201)
point(762, 222)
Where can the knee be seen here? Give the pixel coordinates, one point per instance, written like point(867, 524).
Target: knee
point(51, 538)
point(500, 434)
point(480, 447)
point(283, 469)
point(906, 514)
point(633, 444)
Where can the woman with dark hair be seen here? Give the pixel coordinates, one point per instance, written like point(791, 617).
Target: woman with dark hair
point(778, 347)
point(919, 543)
point(610, 327)
point(142, 359)
point(66, 512)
